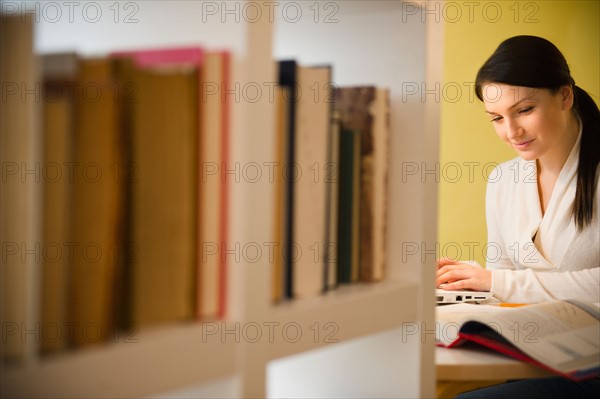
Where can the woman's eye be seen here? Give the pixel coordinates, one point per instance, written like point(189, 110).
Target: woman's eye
point(525, 110)
point(496, 119)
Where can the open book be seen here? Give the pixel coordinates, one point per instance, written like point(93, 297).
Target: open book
point(560, 336)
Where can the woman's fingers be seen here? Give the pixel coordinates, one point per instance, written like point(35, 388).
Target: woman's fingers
point(446, 261)
point(463, 276)
point(451, 273)
point(461, 285)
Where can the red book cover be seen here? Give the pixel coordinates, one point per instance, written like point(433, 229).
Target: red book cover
point(558, 336)
point(511, 351)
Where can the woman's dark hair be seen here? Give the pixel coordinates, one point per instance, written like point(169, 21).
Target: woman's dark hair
point(531, 61)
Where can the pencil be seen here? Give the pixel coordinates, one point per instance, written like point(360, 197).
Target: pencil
point(510, 305)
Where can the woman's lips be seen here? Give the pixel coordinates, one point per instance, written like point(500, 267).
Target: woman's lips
point(523, 144)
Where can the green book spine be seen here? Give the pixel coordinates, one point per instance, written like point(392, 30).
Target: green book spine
point(349, 197)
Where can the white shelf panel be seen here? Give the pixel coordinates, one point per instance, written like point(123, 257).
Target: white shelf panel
point(159, 360)
point(349, 312)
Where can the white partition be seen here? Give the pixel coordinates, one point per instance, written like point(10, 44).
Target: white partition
point(367, 42)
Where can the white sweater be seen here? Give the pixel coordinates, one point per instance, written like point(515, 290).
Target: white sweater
point(535, 258)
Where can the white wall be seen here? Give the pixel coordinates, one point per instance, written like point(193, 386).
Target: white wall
point(366, 43)
point(99, 27)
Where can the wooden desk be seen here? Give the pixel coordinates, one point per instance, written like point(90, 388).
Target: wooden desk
point(459, 370)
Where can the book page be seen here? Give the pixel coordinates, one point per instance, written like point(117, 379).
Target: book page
point(558, 334)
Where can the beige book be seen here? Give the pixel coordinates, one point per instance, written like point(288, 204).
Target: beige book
point(313, 118)
point(209, 190)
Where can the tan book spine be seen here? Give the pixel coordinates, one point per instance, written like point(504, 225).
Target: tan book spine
point(58, 138)
point(164, 195)
point(209, 191)
point(97, 211)
point(20, 196)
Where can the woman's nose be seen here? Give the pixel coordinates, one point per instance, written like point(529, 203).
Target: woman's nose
point(514, 131)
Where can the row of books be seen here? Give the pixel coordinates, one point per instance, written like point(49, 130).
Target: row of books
point(134, 225)
point(125, 208)
point(332, 218)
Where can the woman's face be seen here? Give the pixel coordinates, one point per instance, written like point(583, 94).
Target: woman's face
point(532, 121)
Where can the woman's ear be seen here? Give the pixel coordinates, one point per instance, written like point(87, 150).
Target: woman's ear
point(566, 93)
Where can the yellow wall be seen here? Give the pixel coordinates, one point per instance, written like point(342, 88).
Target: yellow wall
point(468, 142)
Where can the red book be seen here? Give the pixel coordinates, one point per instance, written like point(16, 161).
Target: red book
point(559, 336)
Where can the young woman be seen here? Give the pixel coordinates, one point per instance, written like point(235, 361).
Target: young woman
point(542, 208)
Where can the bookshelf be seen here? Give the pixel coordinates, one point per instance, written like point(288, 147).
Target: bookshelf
point(170, 358)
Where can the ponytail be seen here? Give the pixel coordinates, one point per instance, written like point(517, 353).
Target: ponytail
point(589, 157)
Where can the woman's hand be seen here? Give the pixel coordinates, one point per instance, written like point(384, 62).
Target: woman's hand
point(455, 275)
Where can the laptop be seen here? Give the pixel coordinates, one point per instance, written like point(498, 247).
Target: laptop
point(444, 297)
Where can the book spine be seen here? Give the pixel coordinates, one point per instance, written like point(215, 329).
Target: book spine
point(288, 78)
point(348, 220)
point(224, 216)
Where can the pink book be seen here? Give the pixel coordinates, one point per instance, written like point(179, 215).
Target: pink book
point(211, 290)
point(167, 56)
